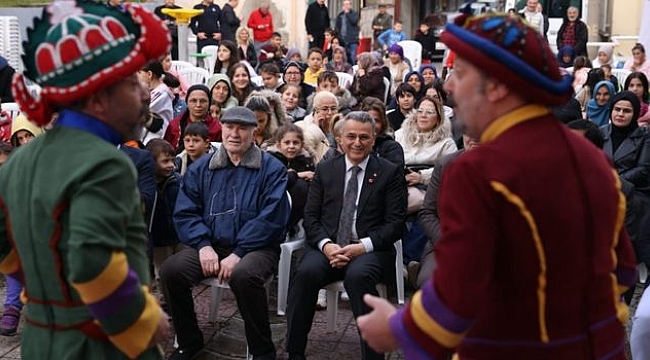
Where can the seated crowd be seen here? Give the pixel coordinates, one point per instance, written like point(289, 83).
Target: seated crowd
point(225, 153)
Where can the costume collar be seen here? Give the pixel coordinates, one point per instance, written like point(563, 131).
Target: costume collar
point(252, 158)
point(80, 121)
point(517, 116)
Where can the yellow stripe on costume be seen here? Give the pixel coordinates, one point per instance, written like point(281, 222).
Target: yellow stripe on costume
point(505, 122)
point(11, 263)
point(622, 312)
point(541, 256)
point(105, 283)
point(430, 326)
point(135, 339)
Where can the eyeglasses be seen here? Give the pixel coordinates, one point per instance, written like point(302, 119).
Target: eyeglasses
point(426, 112)
point(361, 137)
point(327, 109)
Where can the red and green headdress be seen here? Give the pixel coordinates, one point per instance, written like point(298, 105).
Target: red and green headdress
point(79, 47)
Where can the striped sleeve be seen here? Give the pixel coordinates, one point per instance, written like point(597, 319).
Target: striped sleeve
point(427, 328)
point(127, 312)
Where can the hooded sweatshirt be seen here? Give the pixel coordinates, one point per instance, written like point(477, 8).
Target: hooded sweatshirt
point(21, 123)
point(214, 79)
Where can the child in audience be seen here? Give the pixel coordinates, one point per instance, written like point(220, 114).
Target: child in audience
point(329, 81)
point(163, 234)
point(196, 142)
point(270, 73)
point(315, 66)
point(290, 99)
point(392, 36)
point(274, 52)
point(289, 148)
point(405, 95)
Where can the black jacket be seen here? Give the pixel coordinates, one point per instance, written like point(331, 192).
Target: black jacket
point(386, 147)
point(581, 36)
point(229, 23)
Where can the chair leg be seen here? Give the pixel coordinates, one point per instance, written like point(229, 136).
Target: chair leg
point(382, 290)
point(284, 269)
point(215, 301)
point(399, 272)
point(332, 307)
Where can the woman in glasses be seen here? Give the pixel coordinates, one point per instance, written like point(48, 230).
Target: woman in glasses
point(425, 136)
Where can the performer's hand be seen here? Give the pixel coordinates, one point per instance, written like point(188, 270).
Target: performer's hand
point(162, 331)
point(209, 261)
point(227, 266)
point(216, 36)
point(375, 326)
point(201, 35)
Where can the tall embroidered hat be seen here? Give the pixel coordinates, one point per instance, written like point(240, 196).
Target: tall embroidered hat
point(79, 47)
point(507, 48)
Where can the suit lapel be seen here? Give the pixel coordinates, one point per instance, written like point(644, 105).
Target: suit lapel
point(367, 186)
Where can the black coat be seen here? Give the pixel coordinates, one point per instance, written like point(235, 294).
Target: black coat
point(317, 20)
point(163, 232)
point(386, 147)
point(381, 208)
point(6, 75)
point(428, 42)
point(229, 23)
point(581, 36)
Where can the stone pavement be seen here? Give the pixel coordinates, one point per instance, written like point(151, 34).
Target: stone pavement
point(225, 338)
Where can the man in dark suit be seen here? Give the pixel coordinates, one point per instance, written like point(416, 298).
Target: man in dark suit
point(355, 212)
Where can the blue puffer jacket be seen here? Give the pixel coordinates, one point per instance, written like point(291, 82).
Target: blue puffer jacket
point(241, 207)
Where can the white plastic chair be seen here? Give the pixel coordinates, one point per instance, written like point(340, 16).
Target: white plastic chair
point(178, 65)
point(413, 52)
point(621, 75)
point(345, 79)
point(208, 62)
point(284, 269)
point(386, 89)
point(195, 75)
point(12, 108)
point(334, 288)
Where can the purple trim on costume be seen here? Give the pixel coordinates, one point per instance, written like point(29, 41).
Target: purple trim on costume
point(434, 306)
point(626, 276)
point(599, 324)
point(612, 353)
point(537, 344)
point(120, 297)
point(410, 348)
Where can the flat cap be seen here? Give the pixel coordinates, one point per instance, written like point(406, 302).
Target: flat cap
point(239, 115)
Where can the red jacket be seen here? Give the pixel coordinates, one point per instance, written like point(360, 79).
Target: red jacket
point(173, 133)
point(262, 25)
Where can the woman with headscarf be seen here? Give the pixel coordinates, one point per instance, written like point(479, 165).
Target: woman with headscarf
point(294, 73)
point(385, 144)
point(605, 56)
point(429, 73)
point(628, 145)
point(198, 110)
point(598, 106)
point(369, 79)
point(397, 66)
point(221, 91)
point(339, 61)
point(565, 56)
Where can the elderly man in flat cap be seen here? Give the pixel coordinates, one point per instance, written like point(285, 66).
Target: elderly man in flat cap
point(533, 255)
point(232, 210)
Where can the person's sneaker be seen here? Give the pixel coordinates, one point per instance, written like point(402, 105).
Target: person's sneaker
point(9, 321)
point(413, 271)
point(321, 303)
